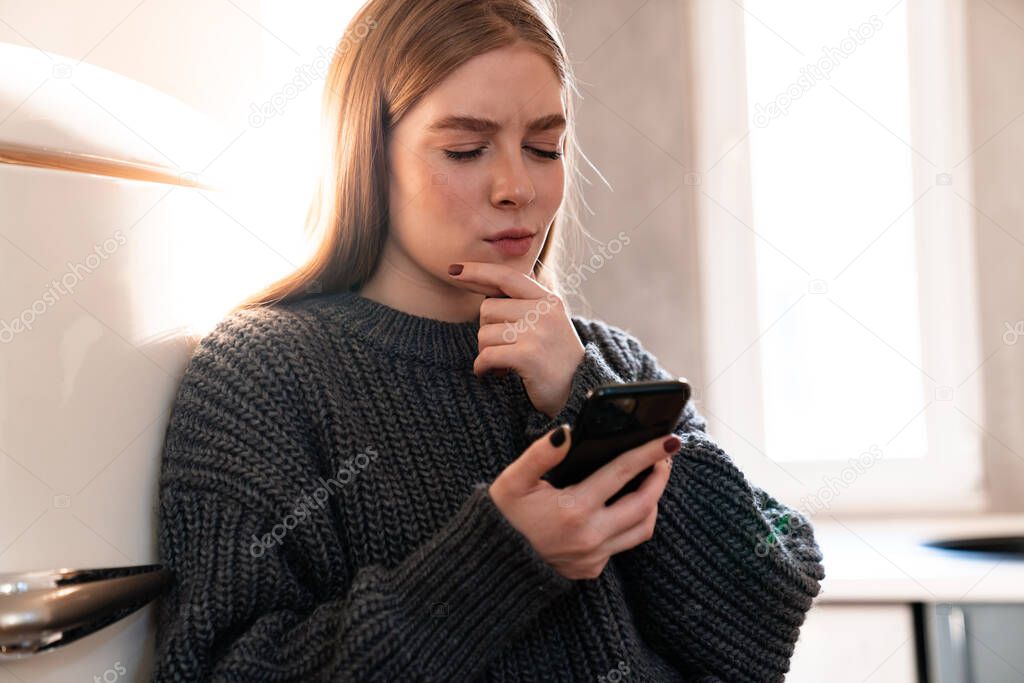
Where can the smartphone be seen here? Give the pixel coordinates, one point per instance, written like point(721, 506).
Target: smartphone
point(615, 418)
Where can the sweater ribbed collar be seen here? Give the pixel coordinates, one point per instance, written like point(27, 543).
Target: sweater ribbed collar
point(387, 328)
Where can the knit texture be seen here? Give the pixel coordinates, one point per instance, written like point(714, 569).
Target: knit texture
point(324, 507)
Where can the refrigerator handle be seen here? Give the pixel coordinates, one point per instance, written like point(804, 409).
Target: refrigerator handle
point(43, 610)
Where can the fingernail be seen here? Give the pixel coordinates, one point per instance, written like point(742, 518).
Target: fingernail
point(455, 269)
point(671, 444)
point(558, 436)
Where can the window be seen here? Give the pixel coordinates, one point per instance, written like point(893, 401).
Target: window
point(838, 245)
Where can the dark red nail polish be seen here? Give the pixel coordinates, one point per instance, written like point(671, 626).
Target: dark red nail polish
point(455, 269)
point(671, 444)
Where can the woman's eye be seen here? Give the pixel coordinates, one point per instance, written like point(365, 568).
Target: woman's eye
point(458, 156)
point(474, 153)
point(546, 154)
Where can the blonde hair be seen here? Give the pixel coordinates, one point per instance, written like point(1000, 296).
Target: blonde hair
point(393, 53)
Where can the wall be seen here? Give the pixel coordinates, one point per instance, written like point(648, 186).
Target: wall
point(996, 54)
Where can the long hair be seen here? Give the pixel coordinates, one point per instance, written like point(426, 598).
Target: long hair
point(392, 53)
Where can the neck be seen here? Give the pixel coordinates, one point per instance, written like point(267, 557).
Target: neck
point(401, 285)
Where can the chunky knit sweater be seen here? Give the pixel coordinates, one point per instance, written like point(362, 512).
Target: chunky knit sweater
point(324, 507)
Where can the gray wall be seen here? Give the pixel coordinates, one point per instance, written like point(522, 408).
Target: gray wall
point(630, 57)
point(996, 71)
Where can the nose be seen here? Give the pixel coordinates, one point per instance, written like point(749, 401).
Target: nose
point(512, 186)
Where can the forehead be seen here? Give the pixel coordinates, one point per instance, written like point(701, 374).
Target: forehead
point(511, 87)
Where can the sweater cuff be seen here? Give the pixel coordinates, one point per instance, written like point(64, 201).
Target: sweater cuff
point(593, 370)
point(727, 590)
point(478, 581)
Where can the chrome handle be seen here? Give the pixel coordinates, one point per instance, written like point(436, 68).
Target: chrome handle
point(957, 627)
point(43, 610)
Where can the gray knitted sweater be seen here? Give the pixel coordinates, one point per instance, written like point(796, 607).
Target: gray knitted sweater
point(324, 508)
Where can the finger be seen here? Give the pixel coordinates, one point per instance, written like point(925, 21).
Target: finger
point(493, 357)
point(632, 537)
point(489, 290)
point(525, 472)
point(606, 481)
point(484, 277)
point(634, 507)
point(504, 309)
point(497, 334)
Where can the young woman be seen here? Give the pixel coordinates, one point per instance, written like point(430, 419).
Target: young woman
point(351, 483)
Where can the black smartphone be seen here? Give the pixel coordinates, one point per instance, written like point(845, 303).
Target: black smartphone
point(615, 418)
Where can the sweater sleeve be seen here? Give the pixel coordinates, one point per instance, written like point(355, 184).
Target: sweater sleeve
point(594, 369)
point(725, 583)
point(245, 608)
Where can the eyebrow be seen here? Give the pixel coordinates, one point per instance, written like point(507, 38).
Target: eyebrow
point(473, 124)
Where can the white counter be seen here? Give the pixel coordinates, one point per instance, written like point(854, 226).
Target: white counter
point(882, 560)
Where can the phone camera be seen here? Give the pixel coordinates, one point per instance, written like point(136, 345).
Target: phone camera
point(626, 404)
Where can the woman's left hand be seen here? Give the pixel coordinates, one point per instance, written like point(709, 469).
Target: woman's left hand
point(524, 327)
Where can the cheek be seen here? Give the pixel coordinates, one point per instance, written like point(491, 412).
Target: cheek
point(448, 207)
point(549, 183)
point(439, 216)
point(422, 196)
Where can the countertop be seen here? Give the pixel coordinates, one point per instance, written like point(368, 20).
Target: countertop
point(882, 560)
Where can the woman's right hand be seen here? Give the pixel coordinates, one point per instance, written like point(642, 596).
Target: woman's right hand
point(571, 528)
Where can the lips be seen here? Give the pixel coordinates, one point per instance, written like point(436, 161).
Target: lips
point(512, 243)
point(511, 233)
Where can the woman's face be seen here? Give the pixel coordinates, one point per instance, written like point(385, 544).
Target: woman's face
point(468, 161)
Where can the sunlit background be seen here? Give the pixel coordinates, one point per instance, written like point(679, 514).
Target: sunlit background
point(824, 210)
point(247, 78)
